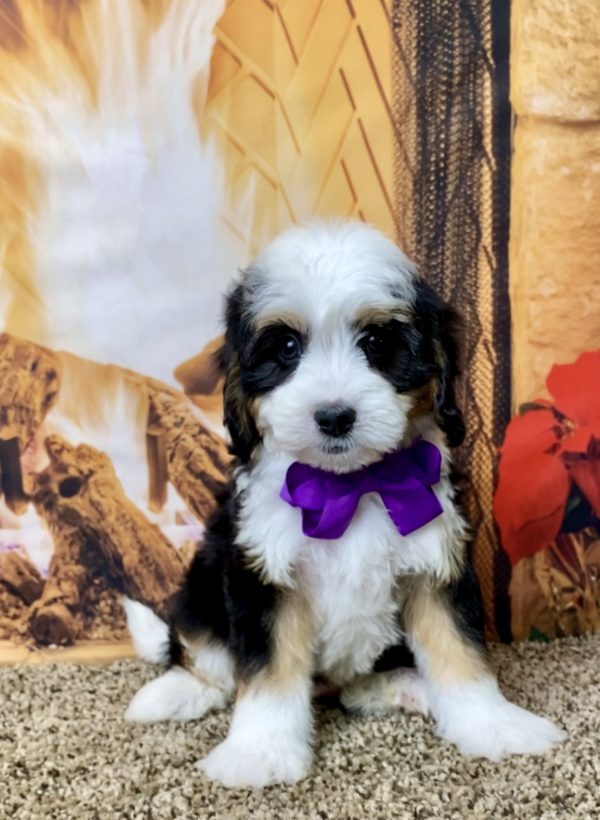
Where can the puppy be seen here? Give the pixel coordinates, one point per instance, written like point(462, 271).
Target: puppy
point(337, 550)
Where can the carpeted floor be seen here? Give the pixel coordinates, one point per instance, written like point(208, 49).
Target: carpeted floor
point(65, 752)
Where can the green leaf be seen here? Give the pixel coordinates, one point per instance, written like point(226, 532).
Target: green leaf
point(530, 405)
point(537, 635)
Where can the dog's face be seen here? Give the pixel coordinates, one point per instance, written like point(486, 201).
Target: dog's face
point(335, 351)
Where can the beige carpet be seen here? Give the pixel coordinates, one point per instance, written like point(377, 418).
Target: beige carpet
point(65, 752)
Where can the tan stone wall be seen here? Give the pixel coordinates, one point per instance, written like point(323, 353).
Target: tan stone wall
point(555, 209)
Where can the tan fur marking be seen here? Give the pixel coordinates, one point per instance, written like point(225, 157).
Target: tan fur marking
point(293, 650)
point(423, 400)
point(291, 664)
point(449, 656)
point(189, 648)
point(235, 396)
point(289, 319)
point(243, 410)
point(380, 316)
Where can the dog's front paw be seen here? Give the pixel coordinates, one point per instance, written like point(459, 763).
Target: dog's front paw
point(480, 721)
point(238, 763)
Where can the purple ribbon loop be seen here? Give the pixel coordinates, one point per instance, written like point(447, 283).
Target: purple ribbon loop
point(403, 479)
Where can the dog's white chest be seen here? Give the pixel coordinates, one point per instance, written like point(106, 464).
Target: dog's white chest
point(351, 585)
point(350, 582)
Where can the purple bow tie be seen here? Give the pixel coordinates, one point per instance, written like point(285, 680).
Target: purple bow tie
point(403, 479)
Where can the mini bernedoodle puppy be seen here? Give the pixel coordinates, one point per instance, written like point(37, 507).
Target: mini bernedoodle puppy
point(337, 550)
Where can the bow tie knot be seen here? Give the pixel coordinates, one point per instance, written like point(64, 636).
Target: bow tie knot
point(403, 479)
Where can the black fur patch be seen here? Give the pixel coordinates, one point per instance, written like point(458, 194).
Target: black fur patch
point(237, 413)
point(223, 598)
point(464, 597)
point(439, 324)
point(410, 355)
point(394, 657)
point(399, 352)
point(273, 354)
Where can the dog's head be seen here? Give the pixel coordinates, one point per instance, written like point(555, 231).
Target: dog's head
point(336, 351)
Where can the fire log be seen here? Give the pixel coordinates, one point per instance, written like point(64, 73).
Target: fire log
point(197, 460)
point(29, 382)
point(20, 576)
point(202, 380)
point(53, 617)
point(84, 505)
point(180, 446)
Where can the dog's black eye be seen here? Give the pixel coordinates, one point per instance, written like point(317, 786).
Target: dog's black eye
point(375, 341)
point(288, 350)
point(277, 345)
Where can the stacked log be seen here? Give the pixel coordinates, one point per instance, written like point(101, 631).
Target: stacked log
point(104, 545)
point(20, 585)
point(85, 508)
point(201, 380)
point(29, 383)
point(195, 459)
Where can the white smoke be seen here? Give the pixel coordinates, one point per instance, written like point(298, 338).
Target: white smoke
point(130, 254)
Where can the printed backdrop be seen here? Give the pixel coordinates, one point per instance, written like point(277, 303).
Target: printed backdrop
point(148, 148)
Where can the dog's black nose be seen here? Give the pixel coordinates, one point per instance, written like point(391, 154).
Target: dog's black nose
point(335, 420)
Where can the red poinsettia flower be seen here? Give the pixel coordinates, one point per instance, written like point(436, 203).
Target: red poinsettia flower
point(552, 445)
point(575, 389)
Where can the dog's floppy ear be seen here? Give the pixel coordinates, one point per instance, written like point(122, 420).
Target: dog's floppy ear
point(238, 417)
point(441, 324)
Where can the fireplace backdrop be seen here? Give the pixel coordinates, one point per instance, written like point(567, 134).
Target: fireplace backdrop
point(147, 149)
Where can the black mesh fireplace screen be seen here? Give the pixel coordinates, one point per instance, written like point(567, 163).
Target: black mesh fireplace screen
point(452, 166)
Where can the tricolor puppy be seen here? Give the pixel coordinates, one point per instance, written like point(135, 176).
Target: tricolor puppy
point(338, 550)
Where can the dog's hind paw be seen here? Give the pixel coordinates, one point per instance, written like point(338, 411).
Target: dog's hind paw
point(383, 692)
point(176, 695)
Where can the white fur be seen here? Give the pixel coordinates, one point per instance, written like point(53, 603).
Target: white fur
point(328, 270)
point(269, 741)
point(478, 719)
point(176, 695)
point(150, 635)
